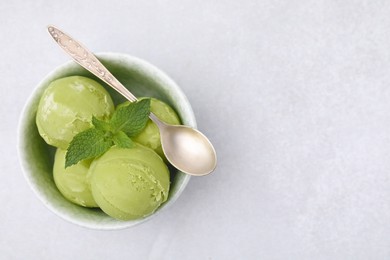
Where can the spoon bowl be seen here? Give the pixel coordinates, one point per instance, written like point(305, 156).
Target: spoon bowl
point(188, 149)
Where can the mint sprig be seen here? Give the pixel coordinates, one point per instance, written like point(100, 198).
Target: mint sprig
point(126, 121)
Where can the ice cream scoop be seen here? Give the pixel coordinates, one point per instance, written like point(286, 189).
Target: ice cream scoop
point(72, 182)
point(67, 106)
point(129, 183)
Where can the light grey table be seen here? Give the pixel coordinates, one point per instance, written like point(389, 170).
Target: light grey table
point(294, 94)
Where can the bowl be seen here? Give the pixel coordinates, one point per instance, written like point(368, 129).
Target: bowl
point(37, 157)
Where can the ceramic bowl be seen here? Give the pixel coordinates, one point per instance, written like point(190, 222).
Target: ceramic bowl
point(142, 79)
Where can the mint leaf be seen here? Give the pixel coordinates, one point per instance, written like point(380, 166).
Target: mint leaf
point(126, 121)
point(87, 144)
point(132, 118)
point(100, 124)
point(122, 140)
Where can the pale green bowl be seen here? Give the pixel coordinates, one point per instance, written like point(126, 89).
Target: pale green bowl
point(142, 79)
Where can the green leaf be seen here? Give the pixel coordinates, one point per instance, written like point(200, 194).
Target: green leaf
point(100, 124)
point(88, 144)
point(122, 140)
point(126, 121)
point(132, 118)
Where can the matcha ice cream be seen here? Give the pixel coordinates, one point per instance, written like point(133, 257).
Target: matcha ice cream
point(67, 106)
point(126, 183)
point(129, 183)
point(72, 182)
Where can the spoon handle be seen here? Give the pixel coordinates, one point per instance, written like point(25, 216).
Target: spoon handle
point(87, 60)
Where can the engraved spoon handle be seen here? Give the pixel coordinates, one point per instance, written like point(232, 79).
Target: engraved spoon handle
point(87, 60)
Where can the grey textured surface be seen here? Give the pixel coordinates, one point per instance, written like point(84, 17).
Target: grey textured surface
point(294, 95)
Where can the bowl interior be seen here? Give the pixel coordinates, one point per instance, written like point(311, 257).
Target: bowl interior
point(142, 79)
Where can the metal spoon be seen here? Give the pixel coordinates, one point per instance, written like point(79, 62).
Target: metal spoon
point(186, 148)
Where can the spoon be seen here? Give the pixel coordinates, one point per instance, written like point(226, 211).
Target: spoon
point(187, 149)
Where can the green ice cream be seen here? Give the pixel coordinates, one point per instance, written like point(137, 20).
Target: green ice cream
point(72, 182)
point(150, 136)
point(67, 106)
point(129, 183)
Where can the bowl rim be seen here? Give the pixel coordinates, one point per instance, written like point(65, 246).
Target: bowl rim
point(21, 142)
